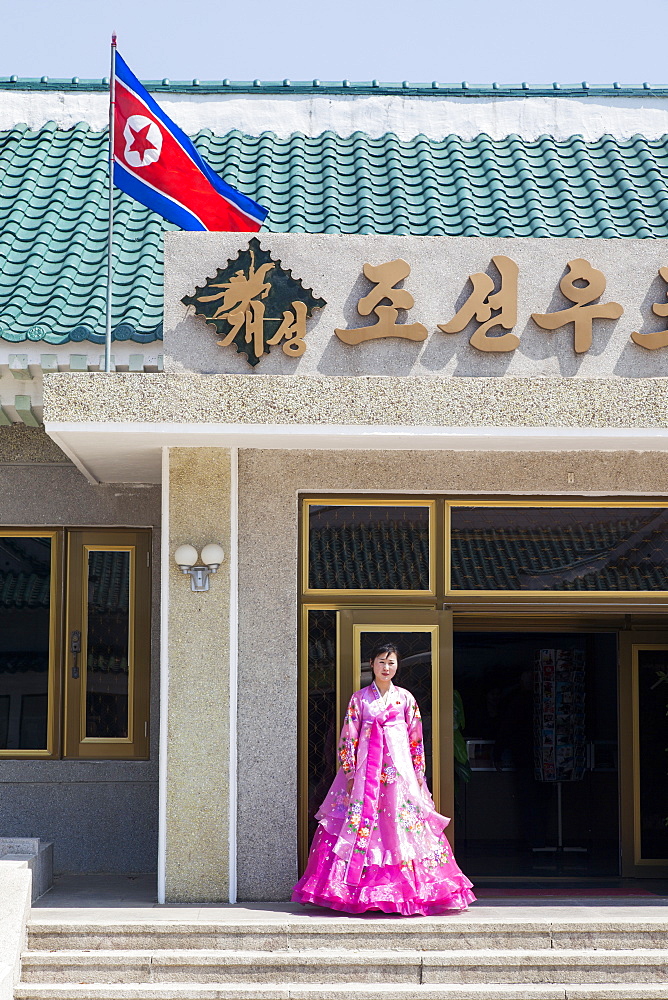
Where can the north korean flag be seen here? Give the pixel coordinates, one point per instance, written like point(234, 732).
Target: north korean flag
point(157, 165)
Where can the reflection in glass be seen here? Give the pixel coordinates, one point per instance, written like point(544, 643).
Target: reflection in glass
point(414, 674)
point(25, 604)
point(559, 548)
point(322, 728)
point(108, 645)
point(653, 752)
point(368, 548)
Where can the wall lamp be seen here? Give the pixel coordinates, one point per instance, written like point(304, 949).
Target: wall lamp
point(186, 558)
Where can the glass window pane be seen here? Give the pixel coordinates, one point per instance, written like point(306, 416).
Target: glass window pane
point(652, 752)
point(25, 614)
point(322, 726)
point(559, 548)
point(108, 644)
point(368, 548)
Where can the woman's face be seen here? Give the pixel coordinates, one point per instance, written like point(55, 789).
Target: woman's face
point(385, 666)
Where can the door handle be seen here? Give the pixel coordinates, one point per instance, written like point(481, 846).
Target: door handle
point(75, 648)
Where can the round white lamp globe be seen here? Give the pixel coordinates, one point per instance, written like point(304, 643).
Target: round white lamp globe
point(212, 555)
point(185, 555)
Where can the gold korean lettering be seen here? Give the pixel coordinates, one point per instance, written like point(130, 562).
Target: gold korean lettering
point(585, 310)
point(385, 277)
point(292, 330)
point(659, 339)
point(253, 318)
point(490, 308)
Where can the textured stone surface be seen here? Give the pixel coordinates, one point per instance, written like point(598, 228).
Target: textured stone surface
point(197, 867)
point(48, 495)
point(201, 966)
point(36, 854)
point(439, 282)
point(289, 991)
point(518, 966)
point(286, 929)
point(15, 882)
point(181, 934)
point(490, 939)
point(372, 401)
point(95, 826)
point(332, 966)
point(269, 485)
point(28, 445)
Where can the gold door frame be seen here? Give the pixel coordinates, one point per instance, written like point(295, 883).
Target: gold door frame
point(134, 746)
point(633, 864)
point(435, 544)
point(350, 618)
point(302, 721)
point(618, 611)
point(438, 624)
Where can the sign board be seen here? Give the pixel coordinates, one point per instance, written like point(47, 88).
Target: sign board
point(280, 303)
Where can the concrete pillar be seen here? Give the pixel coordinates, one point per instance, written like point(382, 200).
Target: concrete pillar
point(196, 752)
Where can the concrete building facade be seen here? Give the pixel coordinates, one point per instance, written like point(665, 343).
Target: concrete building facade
point(494, 492)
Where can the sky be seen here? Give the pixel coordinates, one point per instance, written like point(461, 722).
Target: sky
point(480, 41)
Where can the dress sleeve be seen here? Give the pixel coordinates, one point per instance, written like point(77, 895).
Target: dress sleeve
point(415, 741)
point(350, 737)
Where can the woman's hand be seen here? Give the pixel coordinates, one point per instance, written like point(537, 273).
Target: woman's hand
point(420, 781)
point(349, 785)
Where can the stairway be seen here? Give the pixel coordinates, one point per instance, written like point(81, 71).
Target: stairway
point(339, 958)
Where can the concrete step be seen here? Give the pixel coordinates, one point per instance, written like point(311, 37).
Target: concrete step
point(470, 966)
point(349, 991)
point(418, 934)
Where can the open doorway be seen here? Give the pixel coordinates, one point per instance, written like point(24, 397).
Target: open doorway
point(541, 797)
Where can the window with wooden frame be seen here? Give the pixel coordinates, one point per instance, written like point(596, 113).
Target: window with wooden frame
point(370, 546)
point(435, 549)
point(74, 643)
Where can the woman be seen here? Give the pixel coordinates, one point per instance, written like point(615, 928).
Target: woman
point(380, 843)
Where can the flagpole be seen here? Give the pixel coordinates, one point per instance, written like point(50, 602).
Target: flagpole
point(110, 238)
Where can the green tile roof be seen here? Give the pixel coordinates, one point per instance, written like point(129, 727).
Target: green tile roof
point(407, 88)
point(53, 222)
point(53, 243)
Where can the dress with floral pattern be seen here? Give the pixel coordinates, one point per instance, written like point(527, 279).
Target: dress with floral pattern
point(383, 847)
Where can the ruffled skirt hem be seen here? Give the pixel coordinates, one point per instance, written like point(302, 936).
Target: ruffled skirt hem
point(416, 889)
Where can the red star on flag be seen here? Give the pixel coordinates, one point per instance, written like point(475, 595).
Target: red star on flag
point(141, 141)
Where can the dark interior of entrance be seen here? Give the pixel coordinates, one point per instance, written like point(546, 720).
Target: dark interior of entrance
point(541, 796)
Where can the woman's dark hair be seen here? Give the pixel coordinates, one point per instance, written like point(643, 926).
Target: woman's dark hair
point(382, 649)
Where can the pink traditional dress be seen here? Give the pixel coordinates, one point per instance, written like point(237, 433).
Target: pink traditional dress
point(384, 848)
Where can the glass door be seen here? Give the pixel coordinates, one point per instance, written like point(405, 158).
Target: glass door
point(107, 645)
point(644, 753)
point(424, 639)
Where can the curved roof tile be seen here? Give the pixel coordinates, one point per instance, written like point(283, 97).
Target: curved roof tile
point(53, 212)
